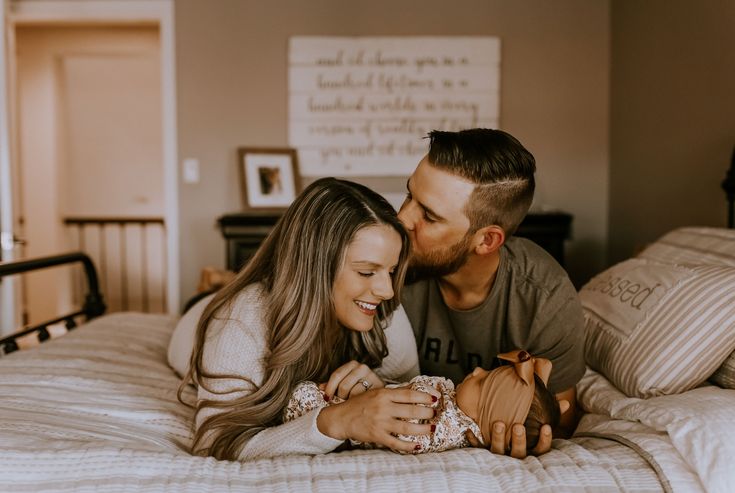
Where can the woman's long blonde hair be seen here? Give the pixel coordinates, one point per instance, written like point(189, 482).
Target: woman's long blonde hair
point(296, 266)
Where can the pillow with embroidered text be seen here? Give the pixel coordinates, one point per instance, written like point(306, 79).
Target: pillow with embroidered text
point(654, 328)
point(699, 246)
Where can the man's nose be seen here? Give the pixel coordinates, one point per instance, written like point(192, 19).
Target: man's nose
point(406, 214)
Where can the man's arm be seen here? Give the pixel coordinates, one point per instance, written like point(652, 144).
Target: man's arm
point(570, 415)
point(566, 337)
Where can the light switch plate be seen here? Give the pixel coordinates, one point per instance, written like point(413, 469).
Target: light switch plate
point(191, 170)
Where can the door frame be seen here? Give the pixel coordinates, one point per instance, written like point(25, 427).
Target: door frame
point(7, 243)
point(160, 13)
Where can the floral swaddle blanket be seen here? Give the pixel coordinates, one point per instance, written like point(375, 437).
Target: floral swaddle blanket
point(450, 421)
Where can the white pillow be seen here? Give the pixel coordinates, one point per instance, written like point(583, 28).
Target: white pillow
point(654, 328)
point(182, 340)
point(694, 246)
point(699, 246)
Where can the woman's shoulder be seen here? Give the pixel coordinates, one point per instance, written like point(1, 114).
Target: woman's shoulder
point(241, 319)
point(251, 297)
point(236, 334)
point(246, 307)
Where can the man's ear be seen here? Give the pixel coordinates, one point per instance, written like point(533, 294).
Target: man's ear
point(489, 239)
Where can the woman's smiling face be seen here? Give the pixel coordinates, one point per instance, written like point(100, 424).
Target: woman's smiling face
point(365, 277)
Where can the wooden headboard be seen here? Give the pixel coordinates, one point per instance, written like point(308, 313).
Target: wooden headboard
point(728, 185)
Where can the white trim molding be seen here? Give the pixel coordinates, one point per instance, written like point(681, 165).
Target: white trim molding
point(56, 11)
point(7, 297)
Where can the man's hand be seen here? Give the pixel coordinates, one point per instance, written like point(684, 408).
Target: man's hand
point(517, 441)
point(569, 413)
point(567, 400)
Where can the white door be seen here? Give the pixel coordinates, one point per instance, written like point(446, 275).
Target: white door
point(89, 100)
point(14, 202)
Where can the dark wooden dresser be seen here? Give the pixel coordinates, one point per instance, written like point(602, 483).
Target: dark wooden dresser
point(244, 231)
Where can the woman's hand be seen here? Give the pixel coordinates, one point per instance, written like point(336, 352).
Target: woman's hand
point(347, 381)
point(377, 416)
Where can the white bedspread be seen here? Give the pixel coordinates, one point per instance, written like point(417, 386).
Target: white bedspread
point(700, 425)
point(96, 410)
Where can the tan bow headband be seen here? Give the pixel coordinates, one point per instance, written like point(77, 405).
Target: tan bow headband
point(507, 392)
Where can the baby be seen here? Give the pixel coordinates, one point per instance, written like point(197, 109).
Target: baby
point(513, 393)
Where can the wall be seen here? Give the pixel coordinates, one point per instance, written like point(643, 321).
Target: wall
point(672, 117)
point(232, 91)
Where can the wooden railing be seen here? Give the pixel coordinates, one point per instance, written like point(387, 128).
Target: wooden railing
point(130, 253)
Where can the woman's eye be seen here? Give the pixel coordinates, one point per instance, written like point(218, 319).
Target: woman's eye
point(428, 218)
point(365, 274)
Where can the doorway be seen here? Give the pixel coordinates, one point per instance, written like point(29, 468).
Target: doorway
point(94, 129)
point(90, 146)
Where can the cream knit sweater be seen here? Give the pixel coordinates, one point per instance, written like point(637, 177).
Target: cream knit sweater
point(236, 346)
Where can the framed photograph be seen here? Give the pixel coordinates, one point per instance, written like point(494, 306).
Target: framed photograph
point(269, 177)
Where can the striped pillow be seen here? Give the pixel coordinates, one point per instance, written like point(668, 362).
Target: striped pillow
point(699, 246)
point(695, 246)
point(655, 329)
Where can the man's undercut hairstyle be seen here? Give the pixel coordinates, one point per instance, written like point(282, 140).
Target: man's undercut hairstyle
point(501, 168)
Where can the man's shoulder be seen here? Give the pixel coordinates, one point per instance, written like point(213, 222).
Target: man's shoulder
point(529, 264)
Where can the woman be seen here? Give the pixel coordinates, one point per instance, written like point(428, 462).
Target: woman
point(310, 305)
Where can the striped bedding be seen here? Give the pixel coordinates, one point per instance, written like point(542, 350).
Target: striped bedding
point(699, 246)
point(96, 410)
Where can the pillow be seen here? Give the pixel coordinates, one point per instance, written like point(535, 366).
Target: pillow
point(182, 340)
point(725, 374)
point(654, 328)
point(695, 246)
point(699, 246)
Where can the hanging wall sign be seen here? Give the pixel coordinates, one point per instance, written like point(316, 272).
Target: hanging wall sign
point(362, 105)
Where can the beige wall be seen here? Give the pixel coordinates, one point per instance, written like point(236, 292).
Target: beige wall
point(672, 117)
point(232, 91)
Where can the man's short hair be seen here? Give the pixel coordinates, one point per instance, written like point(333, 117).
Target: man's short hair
point(501, 168)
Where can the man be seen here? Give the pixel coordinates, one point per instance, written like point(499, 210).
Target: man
point(476, 291)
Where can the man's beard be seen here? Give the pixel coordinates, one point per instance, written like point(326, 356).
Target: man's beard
point(439, 263)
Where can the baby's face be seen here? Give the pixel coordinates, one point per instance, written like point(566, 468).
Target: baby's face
point(468, 393)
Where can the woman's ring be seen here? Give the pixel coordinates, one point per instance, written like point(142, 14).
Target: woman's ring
point(366, 384)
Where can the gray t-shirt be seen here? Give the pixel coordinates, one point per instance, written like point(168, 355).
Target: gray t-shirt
point(532, 305)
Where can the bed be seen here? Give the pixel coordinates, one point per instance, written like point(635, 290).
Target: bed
point(102, 415)
point(96, 409)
